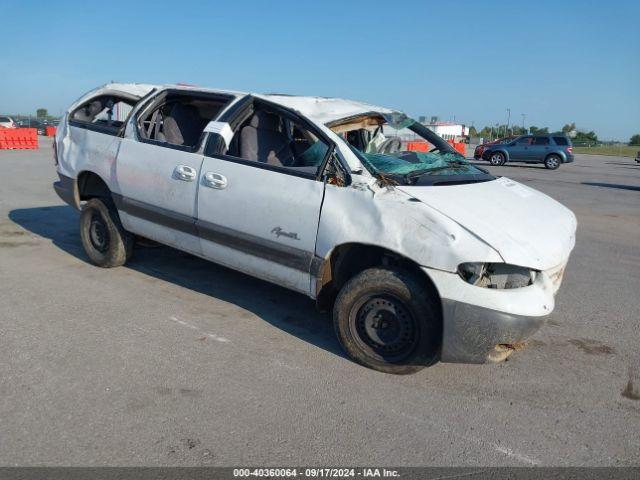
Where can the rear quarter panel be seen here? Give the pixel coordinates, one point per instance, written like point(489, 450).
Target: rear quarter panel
point(81, 150)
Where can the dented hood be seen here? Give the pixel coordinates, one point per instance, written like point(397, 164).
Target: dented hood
point(526, 227)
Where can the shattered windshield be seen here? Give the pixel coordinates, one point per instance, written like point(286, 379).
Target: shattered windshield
point(407, 163)
point(394, 144)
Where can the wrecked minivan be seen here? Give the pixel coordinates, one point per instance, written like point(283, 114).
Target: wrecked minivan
point(421, 256)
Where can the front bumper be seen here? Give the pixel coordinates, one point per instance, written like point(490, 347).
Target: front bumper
point(476, 319)
point(471, 333)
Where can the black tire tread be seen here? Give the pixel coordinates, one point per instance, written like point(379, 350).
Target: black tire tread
point(121, 242)
point(407, 287)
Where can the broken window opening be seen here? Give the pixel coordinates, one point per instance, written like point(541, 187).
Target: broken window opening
point(179, 119)
point(271, 138)
point(382, 142)
point(106, 113)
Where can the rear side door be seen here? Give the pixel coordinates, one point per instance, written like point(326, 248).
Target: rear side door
point(158, 188)
point(157, 175)
point(519, 149)
point(261, 218)
point(539, 148)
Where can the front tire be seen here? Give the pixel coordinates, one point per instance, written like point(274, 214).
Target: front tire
point(104, 239)
point(497, 159)
point(387, 320)
point(552, 162)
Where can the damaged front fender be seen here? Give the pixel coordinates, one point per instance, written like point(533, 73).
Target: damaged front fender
point(368, 213)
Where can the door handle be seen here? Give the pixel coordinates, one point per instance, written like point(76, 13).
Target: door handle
point(185, 173)
point(215, 180)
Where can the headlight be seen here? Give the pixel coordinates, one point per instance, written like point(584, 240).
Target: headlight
point(496, 275)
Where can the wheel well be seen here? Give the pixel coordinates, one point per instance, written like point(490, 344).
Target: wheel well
point(554, 154)
point(90, 185)
point(349, 259)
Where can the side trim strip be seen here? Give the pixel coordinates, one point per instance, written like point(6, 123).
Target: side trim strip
point(161, 216)
point(269, 250)
point(291, 257)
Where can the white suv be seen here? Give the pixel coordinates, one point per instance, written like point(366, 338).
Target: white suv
point(421, 255)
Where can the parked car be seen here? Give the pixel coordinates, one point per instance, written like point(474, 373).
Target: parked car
point(39, 125)
point(477, 153)
point(552, 150)
point(421, 256)
point(7, 122)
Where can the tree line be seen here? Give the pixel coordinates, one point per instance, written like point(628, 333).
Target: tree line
point(577, 136)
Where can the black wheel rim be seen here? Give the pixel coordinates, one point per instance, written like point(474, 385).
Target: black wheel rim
point(99, 233)
point(384, 328)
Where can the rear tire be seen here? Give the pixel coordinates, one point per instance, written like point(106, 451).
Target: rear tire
point(104, 239)
point(552, 162)
point(497, 159)
point(388, 321)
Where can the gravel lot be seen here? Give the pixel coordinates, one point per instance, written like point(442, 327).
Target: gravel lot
point(172, 360)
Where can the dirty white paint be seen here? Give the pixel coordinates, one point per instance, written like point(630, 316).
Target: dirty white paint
point(387, 217)
point(525, 226)
point(324, 110)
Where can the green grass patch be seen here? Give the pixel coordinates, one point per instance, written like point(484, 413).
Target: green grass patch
point(615, 150)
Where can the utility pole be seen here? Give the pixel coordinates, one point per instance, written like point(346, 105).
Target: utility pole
point(523, 117)
point(508, 120)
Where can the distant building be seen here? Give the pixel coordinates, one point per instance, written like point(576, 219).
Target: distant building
point(448, 130)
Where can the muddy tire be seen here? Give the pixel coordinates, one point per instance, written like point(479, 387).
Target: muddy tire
point(104, 239)
point(497, 159)
point(388, 321)
point(552, 162)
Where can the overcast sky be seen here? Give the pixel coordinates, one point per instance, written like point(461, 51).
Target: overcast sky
point(555, 61)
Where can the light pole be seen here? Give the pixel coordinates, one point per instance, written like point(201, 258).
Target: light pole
point(523, 116)
point(508, 120)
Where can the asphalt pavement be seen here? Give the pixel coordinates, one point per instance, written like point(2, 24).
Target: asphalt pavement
point(172, 360)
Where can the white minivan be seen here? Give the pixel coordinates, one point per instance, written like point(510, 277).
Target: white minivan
point(422, 256)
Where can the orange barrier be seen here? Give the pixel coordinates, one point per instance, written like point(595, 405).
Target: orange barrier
point(18, 138)
point(418, 146)
point(421, 146)
point(50, 131)
point(459, 146)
